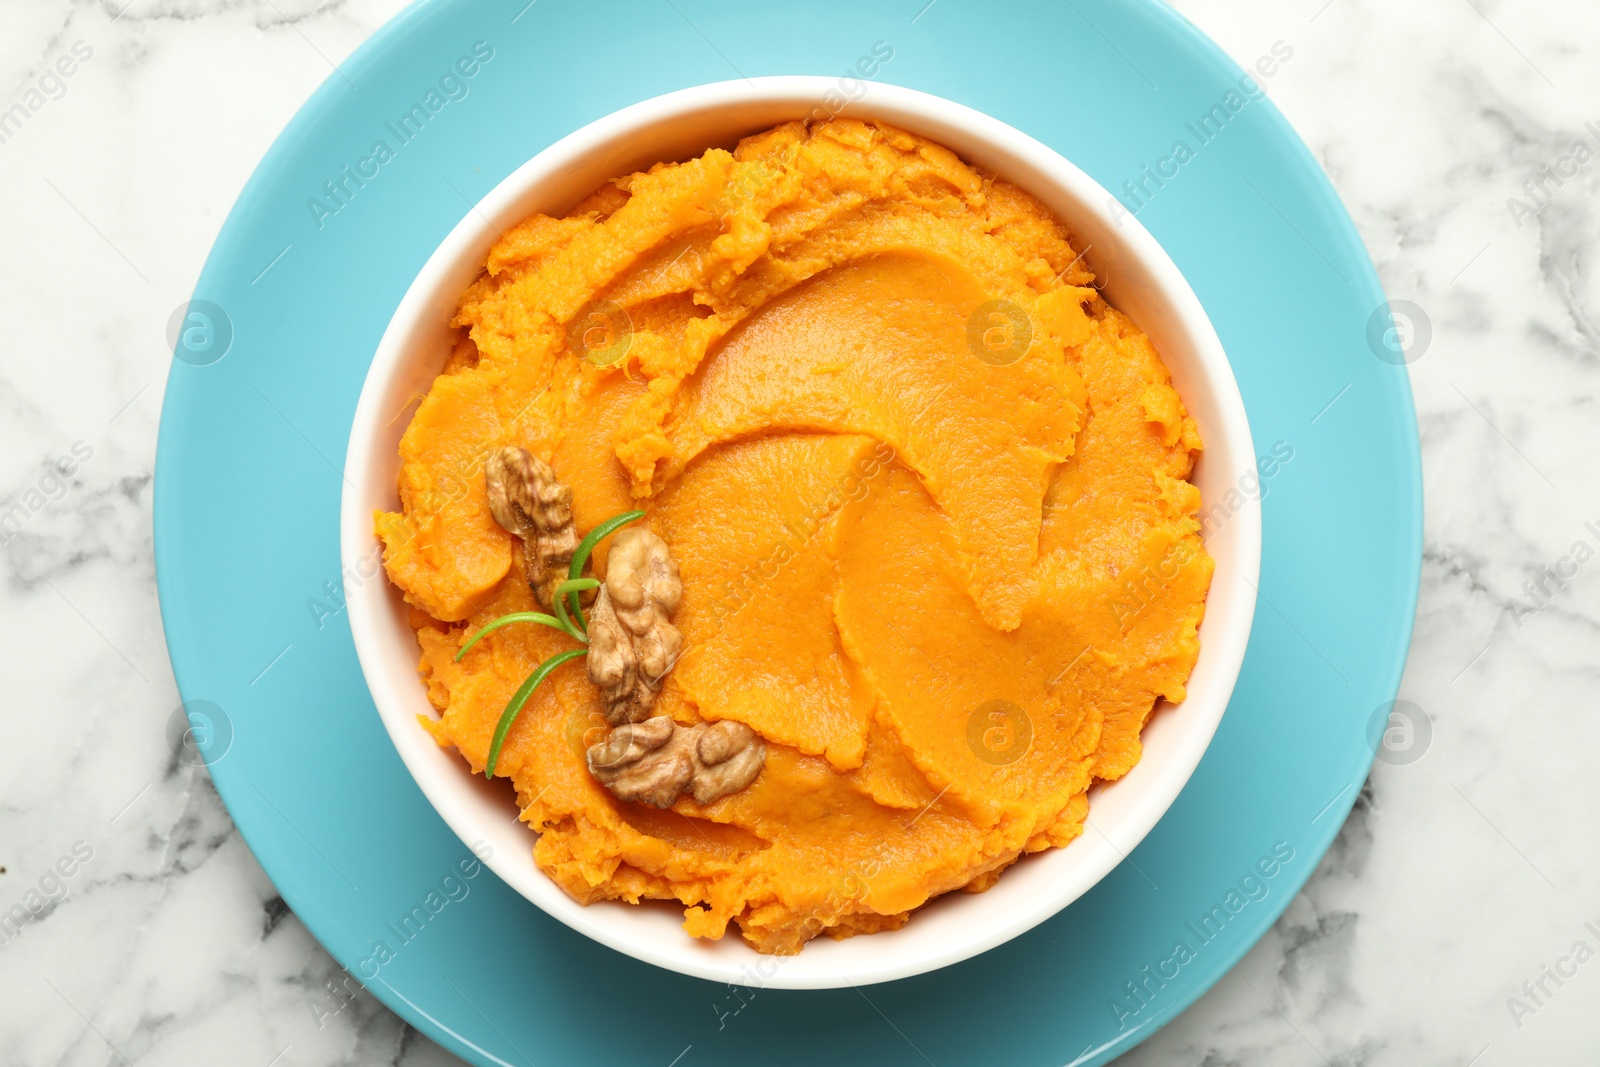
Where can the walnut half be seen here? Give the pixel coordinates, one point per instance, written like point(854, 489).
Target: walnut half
point(657, 760)
point(526, 499)
point(632, 642)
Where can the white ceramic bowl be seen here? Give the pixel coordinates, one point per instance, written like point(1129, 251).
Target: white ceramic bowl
point(1139, 278)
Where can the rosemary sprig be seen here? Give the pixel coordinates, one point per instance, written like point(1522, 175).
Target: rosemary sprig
point(573, 625)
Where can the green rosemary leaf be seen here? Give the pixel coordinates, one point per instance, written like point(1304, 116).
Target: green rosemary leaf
point(519, 698)
point(567, 593)
point(518, 616)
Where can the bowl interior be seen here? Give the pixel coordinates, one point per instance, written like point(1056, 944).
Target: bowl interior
point(1139, 279)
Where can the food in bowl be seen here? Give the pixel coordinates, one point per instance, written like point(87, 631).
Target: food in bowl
point(918, 553)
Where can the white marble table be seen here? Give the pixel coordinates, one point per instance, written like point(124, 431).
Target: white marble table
point(1428, 933)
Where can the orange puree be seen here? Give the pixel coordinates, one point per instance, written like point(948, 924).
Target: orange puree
point(945, 573)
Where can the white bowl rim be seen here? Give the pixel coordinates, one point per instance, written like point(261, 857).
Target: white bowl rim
point(825, 963)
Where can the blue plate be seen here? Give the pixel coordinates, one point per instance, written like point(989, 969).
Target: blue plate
point(312, 262)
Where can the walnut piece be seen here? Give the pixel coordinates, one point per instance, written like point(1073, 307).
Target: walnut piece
point(632, 642)
point(526, 499)
point(728, 756)
point(657, 760)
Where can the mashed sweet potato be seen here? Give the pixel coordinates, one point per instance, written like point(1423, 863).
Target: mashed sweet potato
point(928, 496)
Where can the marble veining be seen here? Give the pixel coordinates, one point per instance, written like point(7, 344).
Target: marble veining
point(1429, 932)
